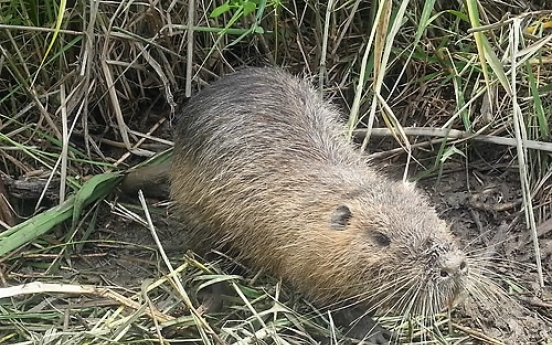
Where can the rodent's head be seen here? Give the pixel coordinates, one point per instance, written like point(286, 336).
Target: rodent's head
point(405, 257)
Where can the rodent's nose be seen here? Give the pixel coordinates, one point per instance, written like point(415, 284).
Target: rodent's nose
point(456, 265)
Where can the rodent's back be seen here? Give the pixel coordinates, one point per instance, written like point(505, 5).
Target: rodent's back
point(262, 113)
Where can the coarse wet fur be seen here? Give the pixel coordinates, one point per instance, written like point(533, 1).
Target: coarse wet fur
point(261, 165)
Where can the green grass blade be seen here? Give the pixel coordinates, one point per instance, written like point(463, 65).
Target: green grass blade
point(95, 189)
point(59, 21)
point(544, 128)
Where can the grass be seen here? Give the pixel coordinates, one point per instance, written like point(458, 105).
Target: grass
point(87, 90)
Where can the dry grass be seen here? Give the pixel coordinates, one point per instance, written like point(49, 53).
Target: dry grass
point(87, 89)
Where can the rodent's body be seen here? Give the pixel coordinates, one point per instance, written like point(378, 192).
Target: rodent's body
point(261, 164)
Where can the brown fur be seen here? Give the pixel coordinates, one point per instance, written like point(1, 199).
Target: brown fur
point(260, 164)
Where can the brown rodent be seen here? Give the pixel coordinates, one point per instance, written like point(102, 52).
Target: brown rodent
point(260, 164)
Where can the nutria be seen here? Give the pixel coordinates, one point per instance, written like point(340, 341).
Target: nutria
point(261, 165)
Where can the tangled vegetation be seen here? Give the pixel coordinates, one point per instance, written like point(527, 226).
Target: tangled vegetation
point(87, 90)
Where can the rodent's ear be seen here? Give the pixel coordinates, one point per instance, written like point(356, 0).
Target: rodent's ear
point(340, 218)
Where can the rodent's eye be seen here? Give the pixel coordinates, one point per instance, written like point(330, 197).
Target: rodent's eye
point(340, 217)
point(380, 239)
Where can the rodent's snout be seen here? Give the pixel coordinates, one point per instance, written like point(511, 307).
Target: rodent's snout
point(454, 265)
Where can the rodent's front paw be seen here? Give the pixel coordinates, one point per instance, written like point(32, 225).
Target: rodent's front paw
point(370, 331)
point(379, 336)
